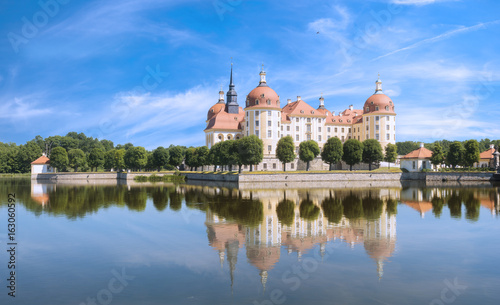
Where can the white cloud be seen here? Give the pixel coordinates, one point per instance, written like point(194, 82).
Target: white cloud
point(440, 37)
point(19, 110)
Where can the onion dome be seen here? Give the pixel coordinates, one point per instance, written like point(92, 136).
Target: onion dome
point(263, 96)
point(379, 102)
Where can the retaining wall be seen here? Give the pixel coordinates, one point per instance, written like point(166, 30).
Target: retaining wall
point(91, 176)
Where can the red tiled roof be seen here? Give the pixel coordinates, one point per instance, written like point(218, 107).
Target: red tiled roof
point(226, 121)
point(487, 154)
point(41, 160)
point(263, 94)
point(421, 153)
point(348, 117)
point(301, 108)
point(380, 100)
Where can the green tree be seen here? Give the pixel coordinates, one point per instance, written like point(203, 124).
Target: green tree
point(391, 153)
point(76, 158)
point(119, 159)
point(214, 155)
point(8, 157)
point(227, 159)
point(333, 209)
point(251, 150)
point(96, 158)
point(372, 152)
point(107, 145)
point(353, 152)
point(202, 156)
point(332, 151)
point(176, 156)
point(190, 158)
point(160, 157)
point(27, 153)
point(136, 158)
point(437, 157)
point(406, 147)
point(285, 150)
point(308, 150)
point(109, 159)
point(234, 155)
point(59, 158)
point(471, 153)
point(455, 154)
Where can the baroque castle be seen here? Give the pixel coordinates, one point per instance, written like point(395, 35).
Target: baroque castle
point(264, 117)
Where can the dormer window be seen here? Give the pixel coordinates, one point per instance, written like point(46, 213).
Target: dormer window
point(302, 111)
point(312, 111)
point(256, 102)
point(387, 108)
point(268, 101)
point(371, 103)
point(367, 109)
point(376, 108)
point(340, 120)
point(262, 95)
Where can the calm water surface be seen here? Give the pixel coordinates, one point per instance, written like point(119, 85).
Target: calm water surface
point(305, 244)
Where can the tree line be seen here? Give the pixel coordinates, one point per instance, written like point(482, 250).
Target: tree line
point(77, 152)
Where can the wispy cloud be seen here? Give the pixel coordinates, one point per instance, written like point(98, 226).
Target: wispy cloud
point(440, 37)
point(417, 2)
point(19, 109)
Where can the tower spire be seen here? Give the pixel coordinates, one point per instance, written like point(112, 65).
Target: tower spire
point(231, 96)
point(321, 102)
point(378, 86)
point(262, 74)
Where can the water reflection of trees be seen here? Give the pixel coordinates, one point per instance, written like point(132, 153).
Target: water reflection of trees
point(77, 201)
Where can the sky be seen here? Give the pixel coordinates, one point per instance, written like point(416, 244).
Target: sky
point(147, 72)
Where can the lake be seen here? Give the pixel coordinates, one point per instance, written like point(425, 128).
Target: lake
point(205, 243)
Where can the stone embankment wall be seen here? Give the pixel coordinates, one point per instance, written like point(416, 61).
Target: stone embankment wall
point(317, 177)
point(91, 176)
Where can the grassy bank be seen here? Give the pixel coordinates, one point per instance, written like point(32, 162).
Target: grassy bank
point(164, 178)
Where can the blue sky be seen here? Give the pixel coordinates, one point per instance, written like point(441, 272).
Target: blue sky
point(147, 71)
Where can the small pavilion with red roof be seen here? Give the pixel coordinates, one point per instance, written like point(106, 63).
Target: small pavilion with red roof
point(417, 160)
point(41, 165)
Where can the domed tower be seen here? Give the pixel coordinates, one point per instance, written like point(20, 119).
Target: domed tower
point(263, 115)
point(379, 117)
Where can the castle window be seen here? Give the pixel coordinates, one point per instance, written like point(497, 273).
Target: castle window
point(387, 108)
point(319, 129)
point(247, 123)
point(377, 118)
point(257, 133)
point(220, 137)
point(308, 128)
point(302, 111)
point(343, 138)
point(257, 112)
point(296, 128)
point(296, 137)
point(262, 95)
point(269, 102)
point(265, 165)
point(269, 147)
point(288, 128)
point(376, 108)
point(292, 165)
point(349, 129)
point(274, 165)
point(342, 130)
point(387, 127)
point(377, 127)
point(319, 138)
point(308, 120)
point(297, 120)
point(248, 113)
point(368, 119)
point(377, 136)
point(371, 103)
point(256, 102)
point(367, 109)
point(336, 130)
point(328, 129)
point(229, 137)
point(328, 137)
point(388, 136)
point(387, 118)
point(308, 137)
point(269, 134)
point(367, 127)
point(269, 123)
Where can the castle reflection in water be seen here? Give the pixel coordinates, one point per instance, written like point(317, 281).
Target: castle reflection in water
point(263, 221)
point(318, 216)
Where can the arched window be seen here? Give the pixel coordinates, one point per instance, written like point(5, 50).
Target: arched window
point(367, 109)
point(268, 101)
point(229, 137)
point(376, 108)
point(256, 102)
point(387, 108)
